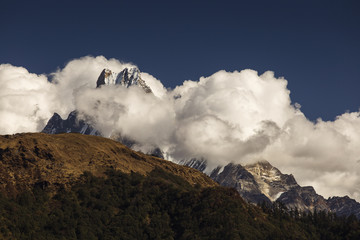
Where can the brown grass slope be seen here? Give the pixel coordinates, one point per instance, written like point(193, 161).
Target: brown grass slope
point(58, 160)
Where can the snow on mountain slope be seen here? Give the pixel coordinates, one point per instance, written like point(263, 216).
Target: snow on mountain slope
point(127, 77)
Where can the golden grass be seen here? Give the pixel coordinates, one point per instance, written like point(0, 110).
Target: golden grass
point(28, 158)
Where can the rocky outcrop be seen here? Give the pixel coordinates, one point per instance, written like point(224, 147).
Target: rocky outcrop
point(304, 199)
point(344, 206)
point(272, 183)
point(72, 124)
point(236, 176)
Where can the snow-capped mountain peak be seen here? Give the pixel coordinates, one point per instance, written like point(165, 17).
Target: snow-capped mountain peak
point(127, 77)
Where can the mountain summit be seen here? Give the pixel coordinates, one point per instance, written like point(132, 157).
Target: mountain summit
point(127, 77)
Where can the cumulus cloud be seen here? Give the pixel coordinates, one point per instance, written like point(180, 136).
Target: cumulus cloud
point(228, 117)
point(236, 117)
point(26, 100)
point(143, 117)
point(322, 154)
point(80, 74)
point(156, 86)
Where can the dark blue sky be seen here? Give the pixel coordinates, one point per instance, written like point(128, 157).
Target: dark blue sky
point(315, 45)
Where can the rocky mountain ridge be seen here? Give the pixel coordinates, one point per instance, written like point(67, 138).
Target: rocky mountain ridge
point(261, 182)
point(72, 124)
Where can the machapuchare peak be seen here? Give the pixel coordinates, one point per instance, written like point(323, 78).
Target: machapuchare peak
point(127, 77)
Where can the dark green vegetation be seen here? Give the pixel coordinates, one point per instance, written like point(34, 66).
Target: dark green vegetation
point(157, 206)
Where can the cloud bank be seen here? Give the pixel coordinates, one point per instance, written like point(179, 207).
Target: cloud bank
point(26, 100)
point(237, 117)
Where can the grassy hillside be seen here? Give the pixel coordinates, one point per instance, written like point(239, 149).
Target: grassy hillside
point(57, 160)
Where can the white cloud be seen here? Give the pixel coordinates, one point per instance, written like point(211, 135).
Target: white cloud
point(155, 85)
point(26, 100)
point(80, 74)
point(140, 116)
point(226, 117)
point(230, 116)
point(318, 152)
point(243, 99)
